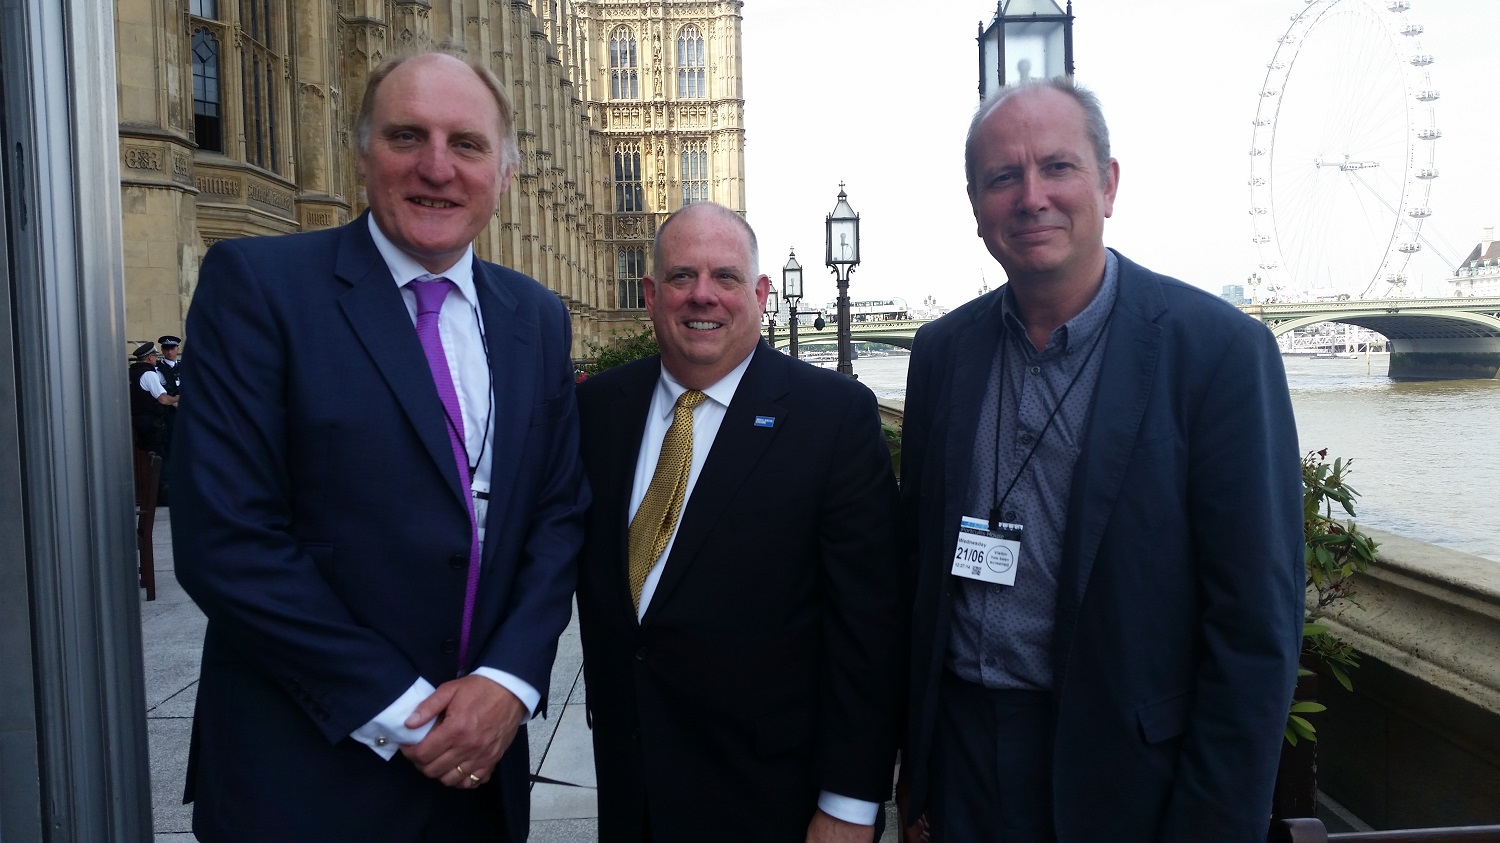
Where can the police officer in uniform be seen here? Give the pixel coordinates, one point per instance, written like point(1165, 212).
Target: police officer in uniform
point(148, 400)
point(169, 364)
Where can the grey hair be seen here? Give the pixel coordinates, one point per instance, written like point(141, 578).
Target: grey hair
point(510, 151)
point(721, 211)
point(1093, 120)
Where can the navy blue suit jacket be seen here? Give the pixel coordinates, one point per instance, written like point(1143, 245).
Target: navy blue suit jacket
point(767, 665)
point(320, 523)
point(1180, 601)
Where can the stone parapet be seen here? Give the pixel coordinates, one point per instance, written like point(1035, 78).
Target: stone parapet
point(1430, 612)
point(1416, 744)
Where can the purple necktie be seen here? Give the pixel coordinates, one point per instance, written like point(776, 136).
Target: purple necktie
point(430, 294)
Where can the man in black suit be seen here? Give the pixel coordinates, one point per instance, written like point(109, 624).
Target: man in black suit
point(741, 647)
point(377, 496)
point(1100, 477)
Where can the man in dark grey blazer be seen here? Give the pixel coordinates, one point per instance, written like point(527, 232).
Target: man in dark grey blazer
point(743, 666)
point(1101, 491)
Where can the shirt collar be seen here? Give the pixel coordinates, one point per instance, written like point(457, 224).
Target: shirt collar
point(1080, 330)
point(405, 269)
point(721, 392)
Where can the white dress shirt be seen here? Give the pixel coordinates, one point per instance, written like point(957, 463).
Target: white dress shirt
point(461, 326)
point(707, 417)
point(151, 381)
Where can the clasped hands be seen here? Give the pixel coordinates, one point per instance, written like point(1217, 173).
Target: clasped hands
point(475, 721)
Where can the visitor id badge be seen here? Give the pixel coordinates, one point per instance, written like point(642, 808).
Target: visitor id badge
point(987, 555)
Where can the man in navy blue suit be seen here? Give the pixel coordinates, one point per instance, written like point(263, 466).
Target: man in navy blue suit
point(377, 498)
point(1102, 497)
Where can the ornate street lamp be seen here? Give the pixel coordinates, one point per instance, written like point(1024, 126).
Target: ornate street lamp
point(791, 287)
point(771, 307)
point(1028, 39)
point(843, 256)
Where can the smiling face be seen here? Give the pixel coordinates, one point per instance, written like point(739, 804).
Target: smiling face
point(1039, 196)
point(704, 300)
point(433, 167)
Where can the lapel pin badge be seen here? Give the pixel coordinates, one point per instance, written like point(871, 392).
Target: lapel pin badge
point(765, 421)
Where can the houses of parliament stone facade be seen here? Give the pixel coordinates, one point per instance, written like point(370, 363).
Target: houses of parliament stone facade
point(236, 119)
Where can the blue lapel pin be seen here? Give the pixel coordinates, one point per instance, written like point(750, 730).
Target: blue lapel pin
point(765, 421)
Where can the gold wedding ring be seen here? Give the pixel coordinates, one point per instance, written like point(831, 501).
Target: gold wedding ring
point(473, 778)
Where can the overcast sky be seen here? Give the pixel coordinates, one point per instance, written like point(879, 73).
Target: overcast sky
point(878, 94)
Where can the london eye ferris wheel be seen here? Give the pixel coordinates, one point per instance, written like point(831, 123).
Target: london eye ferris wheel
point(1342, 155)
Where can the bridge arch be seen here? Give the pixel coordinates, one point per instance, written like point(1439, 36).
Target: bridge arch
point(1403, 324)
point(1431, 339)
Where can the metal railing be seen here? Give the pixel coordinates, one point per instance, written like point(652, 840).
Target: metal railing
point(1309, 830)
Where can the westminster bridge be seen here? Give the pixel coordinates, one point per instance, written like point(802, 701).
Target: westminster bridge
point(897, 332)
point(1431, 339)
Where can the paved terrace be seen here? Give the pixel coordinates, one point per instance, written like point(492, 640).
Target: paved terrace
point(172, 636)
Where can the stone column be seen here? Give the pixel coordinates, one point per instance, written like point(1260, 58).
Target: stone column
point(321, 139)
point(159, 220)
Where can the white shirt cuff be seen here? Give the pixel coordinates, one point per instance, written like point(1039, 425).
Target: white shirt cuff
point(387, 732)
point(528, 695)
point(849, 810)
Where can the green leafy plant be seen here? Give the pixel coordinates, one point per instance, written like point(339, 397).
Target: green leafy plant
point(619, 349)
point(1335, 551)
point(893, 441)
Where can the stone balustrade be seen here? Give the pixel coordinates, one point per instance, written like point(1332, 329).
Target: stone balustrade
point(1432, 613)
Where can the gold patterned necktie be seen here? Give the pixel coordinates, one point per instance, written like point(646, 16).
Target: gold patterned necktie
point(656, 517)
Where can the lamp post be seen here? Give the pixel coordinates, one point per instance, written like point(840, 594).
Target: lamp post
point(791, 287)
point(771, 307)
point(1028, 39)
point(843, 256)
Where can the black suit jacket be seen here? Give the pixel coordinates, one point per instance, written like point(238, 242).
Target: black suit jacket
point(319, 521)
point(766, 666)
point(1180, 598)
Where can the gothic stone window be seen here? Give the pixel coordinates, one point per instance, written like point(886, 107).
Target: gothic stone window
point(251, 66)
point(208, 115)
point(260, 64)
point(694, 172)
point(629, 196)
point(624, 79)
point(632, 265)
point(691, 76)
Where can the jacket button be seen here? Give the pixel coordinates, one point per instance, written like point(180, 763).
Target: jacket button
point(450, 646)
point(640, 655)
point(458, 562)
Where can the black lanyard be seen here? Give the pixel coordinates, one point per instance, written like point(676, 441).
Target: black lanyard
point(489, 410)
point(999, 400)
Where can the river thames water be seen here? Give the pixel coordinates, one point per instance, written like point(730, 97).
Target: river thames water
point(1426, 455)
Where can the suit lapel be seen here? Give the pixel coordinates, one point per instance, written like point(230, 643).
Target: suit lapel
point(510, 343)
point(380, 320)
point(736, 451)
point(971, 370)
point(623, 428)
point(1120, 400)
point(973, 355)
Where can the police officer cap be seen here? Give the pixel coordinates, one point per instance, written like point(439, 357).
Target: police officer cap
point(144, 351)
point(168, 341)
